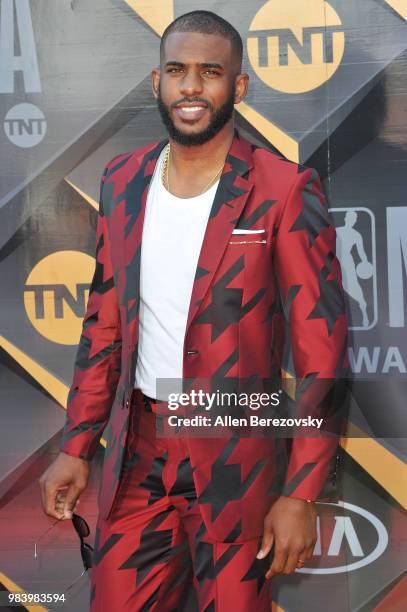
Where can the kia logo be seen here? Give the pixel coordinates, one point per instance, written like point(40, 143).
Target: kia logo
point(345, 535)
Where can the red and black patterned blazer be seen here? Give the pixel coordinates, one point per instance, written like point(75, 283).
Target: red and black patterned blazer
point(255, 306)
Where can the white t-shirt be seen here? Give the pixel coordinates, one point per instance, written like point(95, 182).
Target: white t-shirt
point(173, 232)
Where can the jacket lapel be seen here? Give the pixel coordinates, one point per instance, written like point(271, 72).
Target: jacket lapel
point(233, 190)
point(136, 198)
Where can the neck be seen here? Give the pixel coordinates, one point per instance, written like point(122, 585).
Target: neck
point(209, 155)
point(190, 170)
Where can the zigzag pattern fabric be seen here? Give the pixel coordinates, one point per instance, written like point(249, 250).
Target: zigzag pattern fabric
point(257, 307)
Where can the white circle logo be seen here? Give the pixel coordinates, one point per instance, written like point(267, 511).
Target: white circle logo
point(25, 125)
point(344, 529)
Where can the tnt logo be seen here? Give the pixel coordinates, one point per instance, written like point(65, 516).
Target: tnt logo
point(56, 293)
point(25, 125)
point(295, 46)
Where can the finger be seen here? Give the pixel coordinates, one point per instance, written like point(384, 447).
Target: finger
point(71, 499)
point(266, 544)
point(62, 491)
point(50, 494)
point(59, 506)
point(60, 500)
point(308, 552)
point(279, 561)
point(292, 562)
point(44, 487)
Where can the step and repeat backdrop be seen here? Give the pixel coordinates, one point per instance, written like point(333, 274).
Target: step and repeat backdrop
point(328, 88)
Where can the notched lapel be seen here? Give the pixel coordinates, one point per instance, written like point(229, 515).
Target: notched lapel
point(135, 203)
point(231, 196)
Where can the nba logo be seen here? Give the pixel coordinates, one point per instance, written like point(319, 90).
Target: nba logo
point(356, 251)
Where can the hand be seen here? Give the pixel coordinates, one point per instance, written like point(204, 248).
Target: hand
point(62, 483)
point(291, 526)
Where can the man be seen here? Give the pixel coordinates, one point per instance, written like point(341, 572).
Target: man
point(215, 259)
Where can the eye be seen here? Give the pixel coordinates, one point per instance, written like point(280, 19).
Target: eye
point(211, 72)
point(174, 70)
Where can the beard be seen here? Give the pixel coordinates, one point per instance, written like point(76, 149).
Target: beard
point(219, 118)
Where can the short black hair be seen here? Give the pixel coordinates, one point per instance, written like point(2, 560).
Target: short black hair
point(205, 22)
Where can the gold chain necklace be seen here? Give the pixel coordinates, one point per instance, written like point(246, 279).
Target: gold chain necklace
point(165, 178)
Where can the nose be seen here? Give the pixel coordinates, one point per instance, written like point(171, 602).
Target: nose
point(191, 84)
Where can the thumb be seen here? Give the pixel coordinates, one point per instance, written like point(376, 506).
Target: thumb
point(70, 500)
point(266, 544)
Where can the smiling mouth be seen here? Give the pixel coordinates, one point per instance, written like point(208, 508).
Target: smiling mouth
point(191, 109)
point(191, 112)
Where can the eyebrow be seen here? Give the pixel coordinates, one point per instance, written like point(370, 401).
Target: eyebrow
point(204, 65)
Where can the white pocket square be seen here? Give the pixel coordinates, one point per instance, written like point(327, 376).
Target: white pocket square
point(248, 231)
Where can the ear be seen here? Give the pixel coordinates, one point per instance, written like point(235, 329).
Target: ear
point(241, 84)
point(155, 81)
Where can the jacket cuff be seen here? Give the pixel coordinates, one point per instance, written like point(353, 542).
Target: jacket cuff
point(322, 484)
point(79, 448)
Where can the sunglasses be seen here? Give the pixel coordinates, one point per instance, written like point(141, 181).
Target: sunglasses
point(83, 531)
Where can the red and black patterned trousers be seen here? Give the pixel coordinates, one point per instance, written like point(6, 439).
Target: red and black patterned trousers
point(154, 544)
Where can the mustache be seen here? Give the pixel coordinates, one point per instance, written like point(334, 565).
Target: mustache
point(191, 100)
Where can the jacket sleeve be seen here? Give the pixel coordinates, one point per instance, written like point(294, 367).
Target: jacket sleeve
point(98, 358)
point(310, 283)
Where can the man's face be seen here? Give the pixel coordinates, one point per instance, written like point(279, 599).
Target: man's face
point(196, 87)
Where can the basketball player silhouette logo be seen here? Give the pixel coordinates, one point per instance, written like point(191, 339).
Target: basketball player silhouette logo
point(347, 237)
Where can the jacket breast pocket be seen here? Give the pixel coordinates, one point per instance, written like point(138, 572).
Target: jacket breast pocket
point(249, 239)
